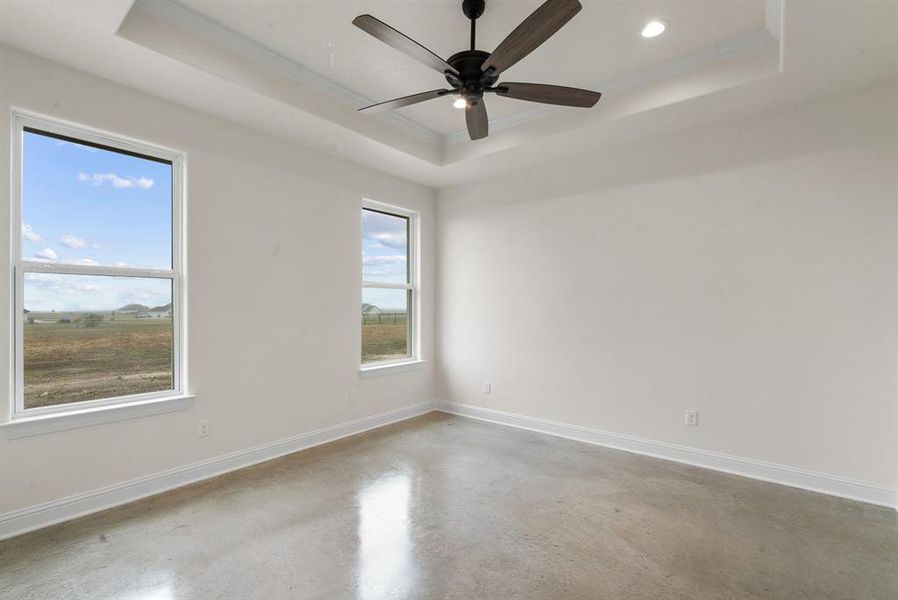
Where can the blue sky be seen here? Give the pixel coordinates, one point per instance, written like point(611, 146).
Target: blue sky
point(384, 258)
point(84, 205)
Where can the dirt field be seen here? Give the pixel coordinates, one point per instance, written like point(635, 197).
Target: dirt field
point(68, 362)
point(385, 341)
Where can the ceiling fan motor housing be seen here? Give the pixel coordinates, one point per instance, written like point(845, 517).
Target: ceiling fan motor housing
point(471, 79)
point(465, 70)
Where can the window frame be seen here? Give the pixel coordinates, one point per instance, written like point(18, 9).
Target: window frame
point(20, 266)
point(414, 303)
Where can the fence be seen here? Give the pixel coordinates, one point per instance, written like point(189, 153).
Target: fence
point(383, 318)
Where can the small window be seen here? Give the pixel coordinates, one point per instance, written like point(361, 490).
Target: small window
point(389, 285)
point(97, 273)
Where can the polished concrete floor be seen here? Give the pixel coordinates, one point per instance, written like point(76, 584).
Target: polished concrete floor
point(445, 507)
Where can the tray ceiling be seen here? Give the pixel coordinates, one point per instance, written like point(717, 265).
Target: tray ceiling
point(601, 44)
point(300, 70)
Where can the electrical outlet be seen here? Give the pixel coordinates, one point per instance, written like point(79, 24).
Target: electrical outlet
point(203, 430)
point(692, 418)
point(353, 397)
point(486, 387)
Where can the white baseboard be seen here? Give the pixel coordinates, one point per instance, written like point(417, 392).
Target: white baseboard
point(49, 513)
point(57, 511)
point(824, 483)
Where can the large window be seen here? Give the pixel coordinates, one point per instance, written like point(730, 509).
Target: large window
point(97, 289)
point(389, 285)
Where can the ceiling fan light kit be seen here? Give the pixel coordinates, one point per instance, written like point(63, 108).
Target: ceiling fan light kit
point(654, 28)
point(472, 72)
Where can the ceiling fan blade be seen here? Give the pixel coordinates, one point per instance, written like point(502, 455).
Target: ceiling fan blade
point(549, 94)
point(402, 42)
point(404, 101)
point(533, 31)
point(477, 120)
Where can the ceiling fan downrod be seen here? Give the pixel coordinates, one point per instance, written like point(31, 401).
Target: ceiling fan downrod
point(469, 80)
point(473, 9)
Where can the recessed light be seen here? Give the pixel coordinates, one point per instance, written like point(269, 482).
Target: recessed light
point(460, 103)
point(654, 29)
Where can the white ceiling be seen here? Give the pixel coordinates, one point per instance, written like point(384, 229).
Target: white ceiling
point(600, 44)
point(299, 70)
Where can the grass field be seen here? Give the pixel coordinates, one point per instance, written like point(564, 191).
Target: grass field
point(69, 362)
point(385, 340)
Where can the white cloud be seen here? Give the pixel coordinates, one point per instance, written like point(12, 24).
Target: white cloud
point(151, 297)
point(379, 266)
point(74, 242)
point(120, 264)
point(391, 259)
point(46, 254)
point(87, 262)
point(389, 239)
point(29, 234)
point(49, 291)
point(44, 280)
point(381, 272)
point(143, 183)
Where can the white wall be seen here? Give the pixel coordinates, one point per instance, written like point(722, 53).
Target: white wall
point(747, 271)
point(273, 261)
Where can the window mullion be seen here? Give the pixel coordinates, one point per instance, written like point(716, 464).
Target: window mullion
point(70, 269)
point(387, 286)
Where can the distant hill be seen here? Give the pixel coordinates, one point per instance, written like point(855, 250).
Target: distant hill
point(163, 308)
point(133, 308)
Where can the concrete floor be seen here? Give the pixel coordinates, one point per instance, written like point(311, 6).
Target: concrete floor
point(444, 507)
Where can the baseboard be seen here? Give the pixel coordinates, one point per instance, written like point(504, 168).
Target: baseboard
point(57, 511)
point(49, 513)
point(824, 483)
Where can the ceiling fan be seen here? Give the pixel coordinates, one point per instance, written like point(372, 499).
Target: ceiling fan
point(471, 73)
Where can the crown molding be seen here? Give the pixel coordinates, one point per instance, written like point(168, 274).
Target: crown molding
point(735, 47)
point(192, 22)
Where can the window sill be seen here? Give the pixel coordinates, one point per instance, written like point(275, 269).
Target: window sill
point(378, 370)
point(39, 425)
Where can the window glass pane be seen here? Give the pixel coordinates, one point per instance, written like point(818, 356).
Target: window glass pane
point(91, 337)
point(92, 206)
point(384, 248)
point(385, 324)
